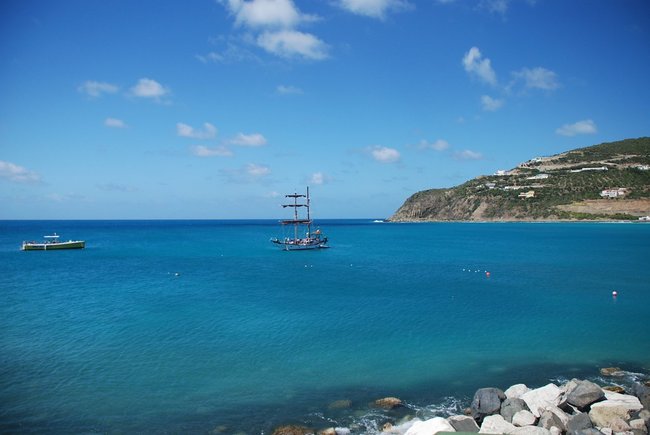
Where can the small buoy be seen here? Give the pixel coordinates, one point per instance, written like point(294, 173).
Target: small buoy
point(177, 274)
point(487, 274)
point(614, 293)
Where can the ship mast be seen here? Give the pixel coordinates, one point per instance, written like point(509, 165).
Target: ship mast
point(296, 221)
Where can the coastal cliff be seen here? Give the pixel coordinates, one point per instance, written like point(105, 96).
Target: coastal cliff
point(600, 182)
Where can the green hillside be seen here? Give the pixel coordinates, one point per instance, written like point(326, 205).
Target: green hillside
point(558, 184)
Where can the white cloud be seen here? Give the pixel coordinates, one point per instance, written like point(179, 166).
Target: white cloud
point(537, 78)
point(496, 6)
point(212, 56)
point(491, 104)
point(318, 178)
point(17, 174)
point(248, 140)
point(257, 171)
point(586, 126)
point(288, 90)
point(96, 89)
point(373, 8)
point(292, 43)
point(148, 88)
point(272, 194)
point(384, 154)
point(475, 64)
point(203, 151)
point(114, 123)
point(209, 131)
point(439, 145)
point(267, 13)
point(468, 155)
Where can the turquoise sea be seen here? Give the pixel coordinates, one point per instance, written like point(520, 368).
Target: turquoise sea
point(205, 326)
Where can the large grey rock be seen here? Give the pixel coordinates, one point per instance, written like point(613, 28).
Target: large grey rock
point(584, 394)
point(530, 430)
point(559, 413)
point(487, 401)
point(510, 407)
point(578, 422)
point(524, 418)
point(516, 391)
point(589, 431)
point(496, 424)
point(429, 427)
point(548, 420)
point(642, 392)
point(540, 398)
point(463, 423)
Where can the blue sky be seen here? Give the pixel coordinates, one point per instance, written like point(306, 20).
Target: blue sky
point(214, 109)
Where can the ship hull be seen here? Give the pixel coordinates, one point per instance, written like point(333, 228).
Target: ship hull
point(53, 246)
point(291, 245)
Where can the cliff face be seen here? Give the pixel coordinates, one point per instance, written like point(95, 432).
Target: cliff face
point(565, 186)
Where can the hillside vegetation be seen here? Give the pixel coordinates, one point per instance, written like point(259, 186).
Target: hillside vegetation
point(565, 186)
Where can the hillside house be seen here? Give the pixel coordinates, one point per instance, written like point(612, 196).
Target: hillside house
point(538, 177)
point(614, 193)
point(526, 195)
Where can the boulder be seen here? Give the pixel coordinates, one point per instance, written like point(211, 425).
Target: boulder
point(328, 431)
point(548, 420)
point(639, 424)
point(530, 430)
point(388, 403)
point(463, 423)
point(612, 371)
point(584, 394)
point(292, 430)
point(540, 398)
point(603, 416)
point(614, 389)
point(627, 401)
point(589, 431)
point(578, 422)
point(642, 392)
point(342, 431)
point(430, 427)
point(496, 424)
point(524, 418)
point(516, 391)
point(340, 404)
point(487, 401)
point(555, 431)
point(510, 407)
point(563, 416)
point(619, 425)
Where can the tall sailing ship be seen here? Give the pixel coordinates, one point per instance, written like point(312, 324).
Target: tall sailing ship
point(311, 240)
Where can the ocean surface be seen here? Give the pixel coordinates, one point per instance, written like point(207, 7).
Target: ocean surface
point(205, 326)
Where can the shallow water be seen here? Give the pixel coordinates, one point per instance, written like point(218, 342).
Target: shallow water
point(187, 326)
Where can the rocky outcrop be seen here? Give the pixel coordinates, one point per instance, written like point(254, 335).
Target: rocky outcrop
point(388, 403)
point(487, 401)
point(584, 394)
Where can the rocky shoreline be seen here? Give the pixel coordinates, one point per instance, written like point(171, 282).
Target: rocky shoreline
point(576, 407)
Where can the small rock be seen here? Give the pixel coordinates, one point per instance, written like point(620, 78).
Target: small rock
point(619, 425)
point(642, 392)
point(524, 418)
point(342, 431)
point(555, 431)
point(496, 424)
point(328, 431)
point(516, 391)
point(463, 423)
point(614, 389)
point(584, 394)
point(388, 402)
point(292, 430)
point(340, 404)
point(638, 423)
point(431, 426)
point(510, 407)
point(627, 401)
point(589, 431)
point(612, 371)
point(487, 401)
point(578, 422)
point(387, 427)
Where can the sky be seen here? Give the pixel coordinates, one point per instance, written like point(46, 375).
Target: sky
point(214, 109)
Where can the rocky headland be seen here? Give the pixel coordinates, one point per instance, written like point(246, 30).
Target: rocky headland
point(609, 181)
point(576, 407)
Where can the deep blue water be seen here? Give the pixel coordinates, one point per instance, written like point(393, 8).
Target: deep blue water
point(188, 326)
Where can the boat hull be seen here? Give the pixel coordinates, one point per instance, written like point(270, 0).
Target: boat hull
point(291, 245)
point(72, 244)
